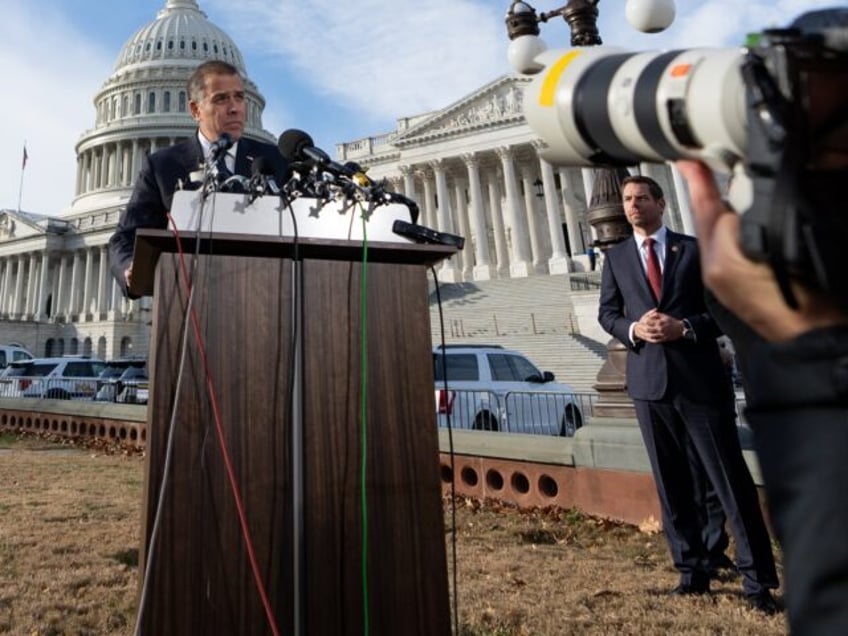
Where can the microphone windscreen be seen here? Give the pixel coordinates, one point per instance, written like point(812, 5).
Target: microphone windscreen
point(224, 142)
point(292, 142)
point(261, 165)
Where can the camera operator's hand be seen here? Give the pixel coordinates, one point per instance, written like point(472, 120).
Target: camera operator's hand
point(745, 287)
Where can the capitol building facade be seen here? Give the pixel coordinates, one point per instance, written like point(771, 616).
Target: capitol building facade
point(473, 167)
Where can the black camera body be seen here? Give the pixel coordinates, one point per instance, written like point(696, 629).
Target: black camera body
point(796, 161)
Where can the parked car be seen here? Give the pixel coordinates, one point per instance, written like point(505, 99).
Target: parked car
point(110, 384)
point(130, 385)
point(13, 352)
point(66, 378)
point(497, 389)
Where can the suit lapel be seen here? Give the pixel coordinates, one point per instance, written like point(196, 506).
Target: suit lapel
point(673, 252)
point(244, 158)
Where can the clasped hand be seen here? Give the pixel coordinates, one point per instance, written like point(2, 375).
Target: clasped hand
point(655, 326)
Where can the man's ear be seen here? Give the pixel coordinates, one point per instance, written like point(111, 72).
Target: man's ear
point(194, 109)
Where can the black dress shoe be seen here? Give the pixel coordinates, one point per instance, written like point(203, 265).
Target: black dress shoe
point(690, 589)
point(763, 602)
point(722, 568)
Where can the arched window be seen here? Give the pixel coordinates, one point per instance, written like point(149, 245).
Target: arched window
point(74, 347)
point(137, 105)
point(101, 347)
point(125, 102)
point(166, 102)
point(151, 102)
point(182, 104)
point(126, 346)
point(49, 348)
point(86, 347)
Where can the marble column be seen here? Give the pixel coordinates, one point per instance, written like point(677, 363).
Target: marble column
point(572, 206)
point(539, 255)
point(448, 271)
point(135, 160)
point(74, 295)
point(520, 265)
point(43, 279)
point(104, 168)
point(5, 285)
point(32, 286)
point(59, 308)
point(482, 259)
point(408, 182)
point(116, 299)
point(18, 301)
point(102, 279)
point(429, 208)
point(501, 247)
point(682, 191)
point(466, 255)
point(558, 262)
point(87, 283)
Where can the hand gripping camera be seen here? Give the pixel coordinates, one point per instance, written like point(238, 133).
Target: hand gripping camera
point(774, 113)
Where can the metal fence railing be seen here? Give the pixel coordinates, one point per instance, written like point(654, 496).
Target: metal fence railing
point(531, 412)
point(131, 392)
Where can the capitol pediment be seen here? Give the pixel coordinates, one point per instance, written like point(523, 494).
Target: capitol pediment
point(497, 103)
point(18, 225)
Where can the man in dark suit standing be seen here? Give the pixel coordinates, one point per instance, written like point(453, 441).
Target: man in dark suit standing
point(652, 300)
point(217, 104)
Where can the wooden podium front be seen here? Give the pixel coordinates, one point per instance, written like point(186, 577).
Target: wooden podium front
point(200, 580)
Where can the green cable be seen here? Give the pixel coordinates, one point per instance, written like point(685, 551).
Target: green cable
point(363, 420)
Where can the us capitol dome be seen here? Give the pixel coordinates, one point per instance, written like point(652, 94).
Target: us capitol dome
point(57, 293)
point(143, 105)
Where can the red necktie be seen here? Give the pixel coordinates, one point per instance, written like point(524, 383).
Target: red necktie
point(654, 272)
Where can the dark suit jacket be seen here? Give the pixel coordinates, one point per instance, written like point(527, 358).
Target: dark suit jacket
point(694, 368)
point(155, 186)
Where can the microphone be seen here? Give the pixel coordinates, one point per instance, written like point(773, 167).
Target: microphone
point(297, 147)
point(412, 206)
point(220, 146)
point(266, 175)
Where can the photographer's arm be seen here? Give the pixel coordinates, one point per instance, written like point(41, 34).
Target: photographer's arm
point(745, 287)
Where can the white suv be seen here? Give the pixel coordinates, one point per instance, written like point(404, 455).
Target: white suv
point(67, 378)
point(496, 389)
point(11, 353)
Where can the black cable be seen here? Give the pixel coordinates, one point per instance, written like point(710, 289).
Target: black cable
point(451, 453)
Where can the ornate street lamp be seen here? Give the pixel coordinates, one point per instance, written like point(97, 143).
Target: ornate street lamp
point(605, 212)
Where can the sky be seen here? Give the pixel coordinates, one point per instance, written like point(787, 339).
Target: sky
point(340, 71)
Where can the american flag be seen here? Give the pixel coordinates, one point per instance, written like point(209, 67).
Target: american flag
point(26, 156)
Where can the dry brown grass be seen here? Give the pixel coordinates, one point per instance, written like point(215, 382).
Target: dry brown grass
point(69, 526)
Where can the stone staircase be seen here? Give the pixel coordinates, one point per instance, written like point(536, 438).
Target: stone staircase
point(532, 315)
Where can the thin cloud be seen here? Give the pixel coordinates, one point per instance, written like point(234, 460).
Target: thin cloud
point(52, 73)
point(389, 59)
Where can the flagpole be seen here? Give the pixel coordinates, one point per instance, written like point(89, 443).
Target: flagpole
point(21, 185)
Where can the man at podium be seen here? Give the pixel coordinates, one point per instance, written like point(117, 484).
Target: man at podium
point(217, 104)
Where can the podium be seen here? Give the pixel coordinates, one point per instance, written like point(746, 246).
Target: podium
point(282, 330)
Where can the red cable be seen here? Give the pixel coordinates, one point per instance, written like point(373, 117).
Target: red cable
point(254, 566)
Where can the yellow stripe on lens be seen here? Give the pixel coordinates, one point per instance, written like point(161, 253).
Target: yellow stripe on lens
point(546, 96)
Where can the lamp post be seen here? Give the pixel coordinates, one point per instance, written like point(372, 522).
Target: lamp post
point(604, 212)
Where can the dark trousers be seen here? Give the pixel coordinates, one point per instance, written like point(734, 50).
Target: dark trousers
point(668, 426)
point(803, 454)
point(711, 513)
